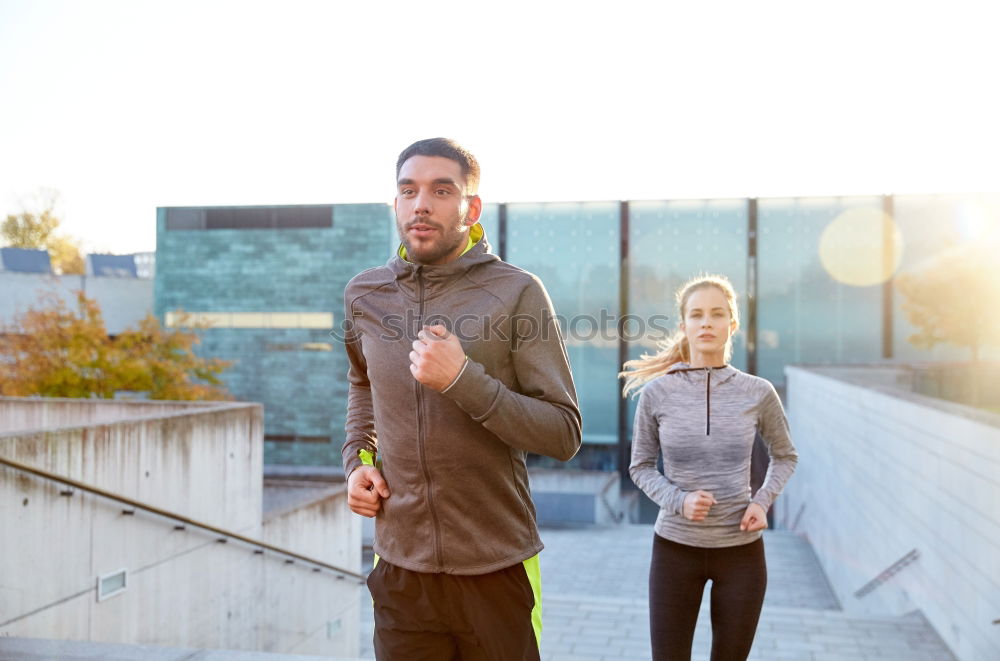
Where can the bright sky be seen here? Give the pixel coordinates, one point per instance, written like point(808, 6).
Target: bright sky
point(126, 106)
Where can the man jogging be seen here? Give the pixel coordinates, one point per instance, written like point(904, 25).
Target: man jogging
point(457, 370)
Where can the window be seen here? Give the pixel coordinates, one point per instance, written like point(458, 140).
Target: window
point(246, 218)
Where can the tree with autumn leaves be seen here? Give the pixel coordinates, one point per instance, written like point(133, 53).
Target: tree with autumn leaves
point(36, 227)
point(55, 351)
point(955, 299)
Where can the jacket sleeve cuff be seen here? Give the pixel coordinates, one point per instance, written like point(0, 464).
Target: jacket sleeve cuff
point(350, 458)
point(476, 392)
point(350, 465)
point(762, 499)
point(458, 376)
point(677, 502)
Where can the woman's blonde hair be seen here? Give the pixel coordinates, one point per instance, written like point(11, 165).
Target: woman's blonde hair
point(675, 349)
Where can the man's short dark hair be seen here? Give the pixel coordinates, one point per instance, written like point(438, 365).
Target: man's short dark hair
point(448, 149)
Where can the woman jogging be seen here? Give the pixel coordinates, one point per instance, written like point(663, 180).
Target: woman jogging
point(702, 414)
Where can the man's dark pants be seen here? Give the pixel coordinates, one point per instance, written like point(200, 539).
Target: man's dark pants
point(444, 617)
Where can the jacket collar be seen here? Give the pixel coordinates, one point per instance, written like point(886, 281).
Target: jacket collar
point(724, 372)
point(719, 374)
point(437, 278)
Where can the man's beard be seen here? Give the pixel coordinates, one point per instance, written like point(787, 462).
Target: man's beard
point(432, 252)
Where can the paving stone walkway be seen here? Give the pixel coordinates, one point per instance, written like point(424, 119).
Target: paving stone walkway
point(594, 599)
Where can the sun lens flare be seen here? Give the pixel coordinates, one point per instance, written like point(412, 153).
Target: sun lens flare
point(861, 247)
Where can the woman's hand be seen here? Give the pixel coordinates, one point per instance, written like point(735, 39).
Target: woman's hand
point(754, 519)
point(697, 504)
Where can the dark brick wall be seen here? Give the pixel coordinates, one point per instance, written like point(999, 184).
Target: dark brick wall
point(304, 390)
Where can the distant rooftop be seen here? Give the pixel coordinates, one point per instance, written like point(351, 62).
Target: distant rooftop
point(115, 266)
point(138, 265)
point(22, 260)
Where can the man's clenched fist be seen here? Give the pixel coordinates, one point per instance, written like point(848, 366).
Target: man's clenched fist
point(437, 357)
point(365, 490)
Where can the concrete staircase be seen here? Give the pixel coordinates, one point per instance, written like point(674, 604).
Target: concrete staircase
point(595, 609)
point(594, 594)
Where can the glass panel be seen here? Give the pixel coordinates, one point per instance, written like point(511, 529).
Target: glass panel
point(671, 242)
point(806, 313)
point(303, 216)
point(238, 218)
point(574, 249)
point(490, 220)
point(185, 219)
point(112, 583)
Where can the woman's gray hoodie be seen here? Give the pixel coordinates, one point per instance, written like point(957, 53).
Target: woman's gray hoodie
point(704, 421)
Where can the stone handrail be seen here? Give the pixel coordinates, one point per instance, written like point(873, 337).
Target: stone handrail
point(260, 546)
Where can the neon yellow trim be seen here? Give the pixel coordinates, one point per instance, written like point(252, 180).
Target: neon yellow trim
point(367, 458)
point(534, 571)
point(475, 235)
point(374, 565)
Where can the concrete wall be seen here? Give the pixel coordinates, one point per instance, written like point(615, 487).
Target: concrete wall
point(123, 301)
point(326, 530)
point(576, 496)
point(28, 413)
point(205, 465)
point(185, 588)
point(882, 472)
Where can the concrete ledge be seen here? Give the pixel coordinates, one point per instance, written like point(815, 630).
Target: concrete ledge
point(576, 496)
point(292, 472)
point(24, 415)
point(39, 649)
point(283, 497)
point(896, 381)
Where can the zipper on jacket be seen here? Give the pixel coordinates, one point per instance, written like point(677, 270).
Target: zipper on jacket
point(708, 391)
point(708, 401)
point(420, 431)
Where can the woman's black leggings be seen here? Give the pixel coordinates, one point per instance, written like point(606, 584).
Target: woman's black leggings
point(677, 576)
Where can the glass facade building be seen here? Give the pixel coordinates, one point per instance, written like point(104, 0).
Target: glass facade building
point(804, 313)
point(573, 248)
point(813, 274)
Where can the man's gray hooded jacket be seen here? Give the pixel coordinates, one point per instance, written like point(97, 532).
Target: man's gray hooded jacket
point(455, 460)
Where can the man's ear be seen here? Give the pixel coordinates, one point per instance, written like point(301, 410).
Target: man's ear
point(395, 203)
point(475, 210)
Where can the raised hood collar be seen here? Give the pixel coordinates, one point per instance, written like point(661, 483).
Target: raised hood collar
point(719, 375)
point(436, 278)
